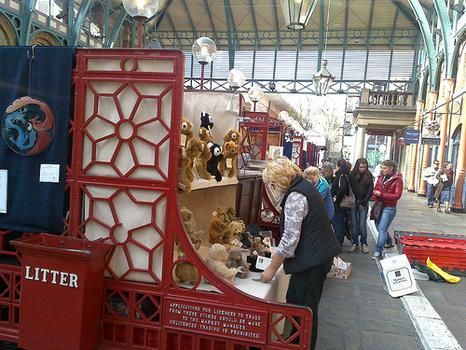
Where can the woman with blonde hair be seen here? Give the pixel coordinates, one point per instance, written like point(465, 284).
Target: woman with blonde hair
point(307, 242)
point(312, 174)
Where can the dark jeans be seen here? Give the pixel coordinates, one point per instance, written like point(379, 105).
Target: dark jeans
point(305, 289)
point(339, 224)
point(359, 218)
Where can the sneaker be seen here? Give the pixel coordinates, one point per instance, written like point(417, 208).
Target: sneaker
point(389, 245)
point(365, 249)
point(431, 205)
point(353, 248)
point(377, 256)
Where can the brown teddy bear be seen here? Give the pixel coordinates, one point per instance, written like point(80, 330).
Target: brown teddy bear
point(200, 162)
point(218, 256)
point(205, 135)
point(235, 259)
point(235, 229)
point(184, 270)
point(193, 150)
point(217, 231)
point(232, 135)
point(186, 132)
point(190, 226)
point(229, 164)
point(184, 164)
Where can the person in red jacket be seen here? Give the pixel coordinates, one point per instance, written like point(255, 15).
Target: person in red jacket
point(388, 190)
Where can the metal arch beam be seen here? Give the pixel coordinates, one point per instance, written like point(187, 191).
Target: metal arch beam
point(230, 30)
point(27, 15)
point(445, 27)
point(427, 38)
point(254, 21)
point(211, 19)
point(185, 4)
point(110, 41)
point(405, 11)
point(85, 4)
point(345, 39)
point(321, 33)
point(368, 40)
point(392, 44)
point(277, 25)
point(172, 24)
point(162, 15)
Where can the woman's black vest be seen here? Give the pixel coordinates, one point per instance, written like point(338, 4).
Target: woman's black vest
point(317, 243)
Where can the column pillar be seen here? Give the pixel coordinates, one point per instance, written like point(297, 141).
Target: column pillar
point(445, 99)
point(360, 141)
point(430, 104)
point(415, 147)
point(459, 184)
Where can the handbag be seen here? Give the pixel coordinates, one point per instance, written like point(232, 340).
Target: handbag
point(376, 210)
point(348, 201)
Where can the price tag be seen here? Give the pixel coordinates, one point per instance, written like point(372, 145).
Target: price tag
point(3, 190)
point(229, 163)
point(184, 139)
point(49, 173)
point(214, 213)
point(262, 262)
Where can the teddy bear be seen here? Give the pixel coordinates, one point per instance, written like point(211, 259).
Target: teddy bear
point(228, 164)
point(232, 135)
point(184, 270)
point(184, 170)
point(200, 162)
point(193, 150)
point(206, 121)
point(217, 231)
point(190, 226)
point(235, 229)
point(186, 132)
point(205, 135)
point(258, 247)
point(218, 256)
point(212, 163)
point(235, 259)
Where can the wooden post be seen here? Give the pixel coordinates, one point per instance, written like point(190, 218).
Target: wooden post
point(444, 99)
point(458, 196)
point(412, 172)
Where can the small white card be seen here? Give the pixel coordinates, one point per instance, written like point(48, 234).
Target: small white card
point(184, 139)
point(3, 190)
point(262, 262)
point(49, 173)
point(229, 163)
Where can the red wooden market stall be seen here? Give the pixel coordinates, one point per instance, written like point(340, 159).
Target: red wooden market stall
point(123, 188)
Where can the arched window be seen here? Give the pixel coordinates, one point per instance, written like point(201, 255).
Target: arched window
point(7, 32)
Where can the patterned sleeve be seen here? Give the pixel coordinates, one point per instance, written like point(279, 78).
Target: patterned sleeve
point(296, 209)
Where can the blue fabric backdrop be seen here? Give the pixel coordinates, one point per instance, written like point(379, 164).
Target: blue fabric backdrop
point(35, 206)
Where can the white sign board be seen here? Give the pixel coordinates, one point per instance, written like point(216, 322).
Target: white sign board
point(397, 276)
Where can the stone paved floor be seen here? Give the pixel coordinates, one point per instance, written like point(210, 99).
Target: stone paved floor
point(358, 314)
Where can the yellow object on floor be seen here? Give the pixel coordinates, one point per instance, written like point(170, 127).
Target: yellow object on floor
point(446, 275)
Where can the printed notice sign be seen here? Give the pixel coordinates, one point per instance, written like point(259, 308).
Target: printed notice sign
point(3, 190)
point(243, 324)
point(49, 173)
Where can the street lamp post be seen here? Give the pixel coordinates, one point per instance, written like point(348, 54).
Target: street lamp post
point(141, 10)
point(204, 50)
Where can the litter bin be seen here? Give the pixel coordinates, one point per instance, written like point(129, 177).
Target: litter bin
point(61, 292)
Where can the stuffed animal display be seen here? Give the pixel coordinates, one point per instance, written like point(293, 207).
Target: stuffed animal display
point(213, 163)
point(184, 270)
point(225, 228)
point(217, 259)
point(235, 259)
point(200, 162)
point(207, 121)
point(217, 230)
point(184, 162)
point(232, 135)
point(228, 165)
point(190, 226)
point(205, 135)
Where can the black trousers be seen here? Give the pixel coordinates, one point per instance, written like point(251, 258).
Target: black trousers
point(305, 289)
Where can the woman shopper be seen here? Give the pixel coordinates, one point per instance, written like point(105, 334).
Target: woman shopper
point(307, 245)
point(340, 188)
point(387, 191)
point(362, 184)
point(443, 191)
point(321, 185)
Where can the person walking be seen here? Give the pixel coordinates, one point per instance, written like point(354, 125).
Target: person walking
point(443, 191)
point(340, 187)
point(387, 191)
point(362, 183)
point(321, 185)
point(430, 176)
point(307, 245)
point(327, 172)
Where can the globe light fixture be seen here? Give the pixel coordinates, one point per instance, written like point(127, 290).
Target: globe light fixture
point(298, 12)
point(283, 115)
point(204, 50)
point(141, 10)
point(323, 79)
point(255, 93)
point(236, 79)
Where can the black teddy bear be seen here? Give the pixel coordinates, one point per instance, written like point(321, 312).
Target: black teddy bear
point(212, 163)
point(206, 121)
